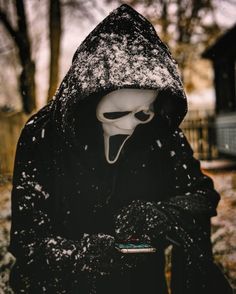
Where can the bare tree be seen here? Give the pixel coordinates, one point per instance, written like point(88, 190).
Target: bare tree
point(16, 23)
point(55, 31)
point(20, 36)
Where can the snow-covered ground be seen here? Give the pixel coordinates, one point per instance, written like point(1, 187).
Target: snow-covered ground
point(224, 224)
point(6, 259)
point(223, 228)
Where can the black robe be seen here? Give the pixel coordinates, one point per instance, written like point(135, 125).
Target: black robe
point(63, 186)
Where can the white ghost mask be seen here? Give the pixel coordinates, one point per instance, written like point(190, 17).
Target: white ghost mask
point(120, 112)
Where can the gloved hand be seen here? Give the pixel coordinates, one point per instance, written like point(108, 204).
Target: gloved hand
point(141, 219)
point(96, 254)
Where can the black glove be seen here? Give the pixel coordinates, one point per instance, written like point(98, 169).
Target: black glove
point(141, 219)
point(98, 257)
point(96, 254)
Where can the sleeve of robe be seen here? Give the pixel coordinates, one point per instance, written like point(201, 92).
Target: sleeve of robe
point(43, 258)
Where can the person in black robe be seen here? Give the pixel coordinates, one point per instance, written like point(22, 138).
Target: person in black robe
point(73, 199)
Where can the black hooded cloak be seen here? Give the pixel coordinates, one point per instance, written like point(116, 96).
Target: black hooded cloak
point(63, 187)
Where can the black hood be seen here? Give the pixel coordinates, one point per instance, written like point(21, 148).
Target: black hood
point(123, 51)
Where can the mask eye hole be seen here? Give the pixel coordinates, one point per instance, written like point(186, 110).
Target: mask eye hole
point(115, 115)
point(141, 115)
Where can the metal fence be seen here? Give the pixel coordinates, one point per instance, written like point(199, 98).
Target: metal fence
point(200, 131)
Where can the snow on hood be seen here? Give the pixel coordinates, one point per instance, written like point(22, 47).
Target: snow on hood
point(123, 51)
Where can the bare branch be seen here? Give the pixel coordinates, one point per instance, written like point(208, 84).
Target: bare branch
point(4, 19)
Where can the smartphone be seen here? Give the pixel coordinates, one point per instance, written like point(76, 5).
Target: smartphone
point(135, 248)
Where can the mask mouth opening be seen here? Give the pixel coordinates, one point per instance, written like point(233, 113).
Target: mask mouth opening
point(113, 146)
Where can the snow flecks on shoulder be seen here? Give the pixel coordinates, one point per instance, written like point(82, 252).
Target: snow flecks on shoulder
point(42, 133)
point(159, 144)
point(181, 134)
point(39, 188)
point(152, 148)
point(19, 187)
point(28, 183)
point(30, 122)
point(172, 153)
point(52, 241)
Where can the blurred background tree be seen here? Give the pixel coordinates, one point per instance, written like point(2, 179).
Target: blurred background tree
point(13, 18)
point(55, 31)
point(21, 36)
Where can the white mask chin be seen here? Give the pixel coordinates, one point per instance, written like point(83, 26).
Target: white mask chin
point(120, 112)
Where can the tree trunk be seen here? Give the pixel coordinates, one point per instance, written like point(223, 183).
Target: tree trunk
point(27, 77)
point(22, 41)
point(55, 38)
